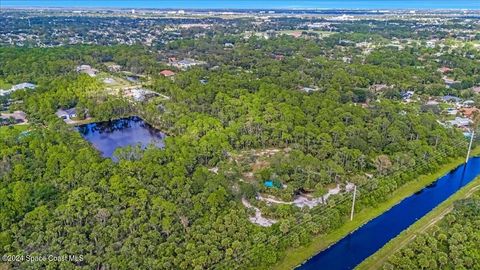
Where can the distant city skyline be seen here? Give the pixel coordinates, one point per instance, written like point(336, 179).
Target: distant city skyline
point(247, 4)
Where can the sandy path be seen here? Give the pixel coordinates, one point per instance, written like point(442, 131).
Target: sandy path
point(258, 218)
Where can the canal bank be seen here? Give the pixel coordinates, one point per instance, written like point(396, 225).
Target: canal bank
point(377, 260)
point(296, 256)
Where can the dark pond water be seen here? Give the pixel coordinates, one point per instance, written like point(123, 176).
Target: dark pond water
point(108, 136)
point(360, 244)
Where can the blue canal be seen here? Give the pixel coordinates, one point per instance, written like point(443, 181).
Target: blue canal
point(360, 244)
point(111, 135)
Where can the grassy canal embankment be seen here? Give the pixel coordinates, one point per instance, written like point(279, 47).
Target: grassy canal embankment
point(296, 256)
point(377, 260)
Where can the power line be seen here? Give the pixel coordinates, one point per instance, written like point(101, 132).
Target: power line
point(325, 210)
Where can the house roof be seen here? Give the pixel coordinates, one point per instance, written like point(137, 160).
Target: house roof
point(69, 112)
point(18, 115)
point(187, 62)
point(167, 73)
point(379, 87)
point(468, 112)
point(23, 86)
point(445, 69)
point(451, 98)
point(460, 122)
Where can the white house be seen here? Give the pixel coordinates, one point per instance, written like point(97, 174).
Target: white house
point(460, 122)
point(67, 114)
point(186, 63)
point(87, 70)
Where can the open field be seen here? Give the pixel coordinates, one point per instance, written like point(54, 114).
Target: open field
point(20, 128)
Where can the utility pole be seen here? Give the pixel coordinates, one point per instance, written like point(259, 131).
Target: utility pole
point(353, 202)
point(470, 145)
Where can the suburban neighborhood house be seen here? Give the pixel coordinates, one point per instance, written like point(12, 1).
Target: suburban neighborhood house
point(17, 117)
point(67, 114)
point(184, 64)
point(139, 94)
point(449, 82)
point(460, 122)
point(167, 73)
point(469, 112)
point(87, 69)
point(114, 67)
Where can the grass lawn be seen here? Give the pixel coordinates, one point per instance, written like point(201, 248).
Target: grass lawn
point(296, 256)
point(117, 83)
point(19, 128)
point(380, 257)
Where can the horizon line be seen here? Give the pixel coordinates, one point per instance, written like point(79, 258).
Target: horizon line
point(235, 8)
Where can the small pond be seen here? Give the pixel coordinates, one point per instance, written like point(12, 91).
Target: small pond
point(110, 135)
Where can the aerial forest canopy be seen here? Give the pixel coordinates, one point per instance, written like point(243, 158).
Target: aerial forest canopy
point(453, 243)
point(181, 207)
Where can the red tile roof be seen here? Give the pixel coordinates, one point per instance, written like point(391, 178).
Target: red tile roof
point(167, 73)
point(469, 112)
point(445, 69)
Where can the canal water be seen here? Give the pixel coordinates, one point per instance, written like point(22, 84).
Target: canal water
point(111, 135)
point(360, 244)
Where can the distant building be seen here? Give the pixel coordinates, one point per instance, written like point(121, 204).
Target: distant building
point(17, 117)
point(87, 70)
point(109, 80)
point(444, 69)
point(167, 73)
point(407, 95)
point(460, 122)
point(363, 44)
point(114, 68)
point(432, 102)
point(343, 17)
point(133, 78)
point(140, 94)
point(185, 63)
point(347, 59)
point(452, 111)
point(453, 99)
point(468, 103)
point(279, 57)
point(431, 43)
point(67, 114)
point(295, 34)
point(469, 112)
point(379, 87)
point(309, 89)
point(449, 82)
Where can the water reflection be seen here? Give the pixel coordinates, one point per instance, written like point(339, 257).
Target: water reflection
point(110, 135)
point(358, 245)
